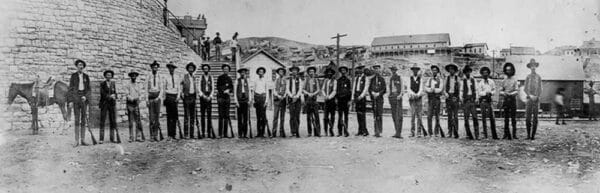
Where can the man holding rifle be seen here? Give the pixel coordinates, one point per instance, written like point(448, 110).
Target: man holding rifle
point(260, 91)
point(155, 93)
point(80, 92)
point(242, 96)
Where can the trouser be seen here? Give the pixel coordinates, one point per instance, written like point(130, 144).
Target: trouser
point(560, 113)
point(361, 116)
point(295, 108)
point(206, 119)
point(377, 112)
point(243, 118)
point(261, 114)
point(592, 108)
point(108, 110)
point(218, 52)
point(172, 114)
point(154, 116)
point(531, 118)
point(510, 112)
point(397, 114)
point(487, 112)
point(452, 109)
point(469, 110)
point(342, 105)
point(80, 111)
point(312, 117)
point(433, 111)
point(34, 115)
point(416, 108)
point(133, 116)
point(189, 115)
point(223, 116)
point(279, 116)
point(329, 117)
point(233, 55)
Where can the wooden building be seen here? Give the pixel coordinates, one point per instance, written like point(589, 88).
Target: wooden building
point(419, 44)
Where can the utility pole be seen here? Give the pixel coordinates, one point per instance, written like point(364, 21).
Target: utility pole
point(493, 64)
point(337, 37)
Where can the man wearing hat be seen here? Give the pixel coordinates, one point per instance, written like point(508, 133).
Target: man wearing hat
point(533, 89)
point(217, 42)
point(377, 89)
point(206, 93)
point(434, 88)
point(260, 90)
point(132, 95)
point(395, 99)
point(359, 93)
point(294, 100)
point(509, 91)
point(415, 99)
point(486, 89)
point(452, 92)
point(279, 102)
point(108, 97)
point(329, 90)
point(79, 94)
point(172, 94)
point(469, 98)
point(189, 91)
point(242, 96)
point(343, 96)
point(155, 93)
point(224, 92)
point(311, 90)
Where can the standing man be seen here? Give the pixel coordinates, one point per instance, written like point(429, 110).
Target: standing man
point(359, 92)
point(486, 89)
point(80, 92)
point(242, 96)
point(155, 92)
point(533, 89)
point(343, 96)
point(452, 92)
point(217, 42)
point(311, 90)
point(294, 99)
point(189, 92)
point(377, 89)
point(206, 93)
point(207, 48)
point(224, 89)
point(559, 104)
point(133, 110)
point(395, 99)
point(329, 91)
point(279, 102)
point(260, 91)
point(592, 102)
point(469, 98)
point(434, 88)
point(108, 97)
point(415, 99)
point(171, 88)
point(509, 91)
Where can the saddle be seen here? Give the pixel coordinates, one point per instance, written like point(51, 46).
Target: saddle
point(44, 92)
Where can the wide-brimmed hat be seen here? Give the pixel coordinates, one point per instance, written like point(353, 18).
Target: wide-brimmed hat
point(171, 65)
point(342, 67)
point(415, 66)
point(532, 62)
point(467, 69)
point(242, 70)
point(280, 69)
point(190, 64)
point(393, 68)
point(375, 65)
point(225, 65)
point(329, 71)
point(485, 68)
point(261, 68)
point(451, 66)
point(206, 65)
point(80, 61)
point(295, 67)
point(434, 66)
point(108, 71)
point(154, 64)
point(368, 71)
point(311, 68)
point(133, 73)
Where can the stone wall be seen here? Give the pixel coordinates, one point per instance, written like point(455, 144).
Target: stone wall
point(45, 37)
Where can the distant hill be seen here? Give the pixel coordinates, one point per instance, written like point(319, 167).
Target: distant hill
point(274, 41)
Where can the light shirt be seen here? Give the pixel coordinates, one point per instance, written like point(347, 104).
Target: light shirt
point(486, 88)
point(329, 84)
point(171, 86)
point(192, 83)
point(260, 85)
point(533, 84)
point(559, 100)
point(133, 91)
point(81, 86)
point(452, 84)
point(280, 86)
point(510, 85)
point(154, 82)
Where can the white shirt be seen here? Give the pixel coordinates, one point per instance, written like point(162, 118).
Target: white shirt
point(260, 85)
point(192, 82)
point(81, 87)
point(154, 82)
point(486, 88)
point(171, 84)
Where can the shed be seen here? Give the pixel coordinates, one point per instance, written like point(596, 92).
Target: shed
point(556, 72)
point(261, 59)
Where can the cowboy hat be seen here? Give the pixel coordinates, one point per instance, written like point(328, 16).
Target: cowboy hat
point(154, 64)
point(108, 71)
point(311, 68)
point(485, 68)
point(329, 71)
point(242, 70)
point(342, 67)
point(294, 67)
point(281, 69)
point(434, 66)
point(394, 68)
point(449, 66)
point(532, 62)
point(80, 61)
point(467, 69)
point(171, 65)
point(192, 65)
point(225, 65)
point(205, 65)
point(261, 68)
point(415, 67)
point(133, 73)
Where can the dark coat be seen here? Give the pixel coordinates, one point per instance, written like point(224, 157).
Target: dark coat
point(74, 86)
point(105, 92)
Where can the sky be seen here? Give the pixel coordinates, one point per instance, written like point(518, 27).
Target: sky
point(543, 24)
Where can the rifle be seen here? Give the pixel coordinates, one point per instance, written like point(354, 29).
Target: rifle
point(249, 122)
point(230, 128)
point(179, 128)
point(198, 125)
point(87, 124)
point(160, 135)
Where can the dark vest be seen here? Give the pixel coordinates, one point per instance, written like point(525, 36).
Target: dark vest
point(187, 84)
point(295, 81)
point(415, 84)
point(360, 87)
point(242, 97)
point(455, 86)
point(465, 93)
point(206, 85)
point(280, 86)
point(330, 86)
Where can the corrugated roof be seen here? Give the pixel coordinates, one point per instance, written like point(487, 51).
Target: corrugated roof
point(591, 44)
point(475, 45)
point(567, 68)
point(411, 39)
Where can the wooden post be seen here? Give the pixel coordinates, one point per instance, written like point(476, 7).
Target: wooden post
point(337, 37)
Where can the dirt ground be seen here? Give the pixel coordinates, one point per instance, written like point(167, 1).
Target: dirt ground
point(562, 159)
